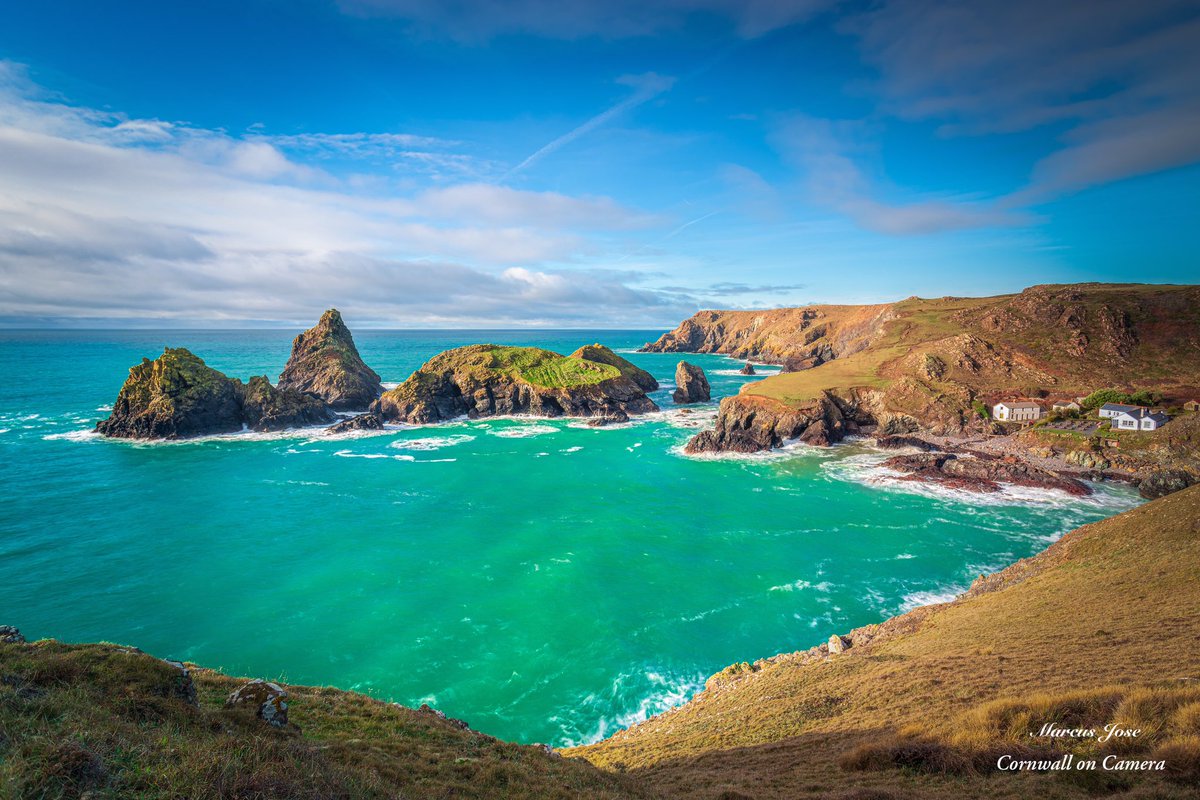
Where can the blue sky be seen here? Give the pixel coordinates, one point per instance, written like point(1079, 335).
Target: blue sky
point(584, 164)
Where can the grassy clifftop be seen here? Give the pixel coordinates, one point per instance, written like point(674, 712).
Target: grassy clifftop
point(106, 722)
point(1112, 604)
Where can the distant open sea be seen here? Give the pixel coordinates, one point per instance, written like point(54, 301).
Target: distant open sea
point(545, 581)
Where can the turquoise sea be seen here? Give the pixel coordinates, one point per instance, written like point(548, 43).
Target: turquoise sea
point(542, 580)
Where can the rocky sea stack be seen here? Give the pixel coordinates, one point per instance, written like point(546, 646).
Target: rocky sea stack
point(691, 384)
point(486, 380)
point(177, 396)
point(326, 364)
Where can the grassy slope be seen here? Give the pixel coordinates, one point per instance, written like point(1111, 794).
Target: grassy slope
point(1030, 329)
point(1115, 602)
point(100, 721)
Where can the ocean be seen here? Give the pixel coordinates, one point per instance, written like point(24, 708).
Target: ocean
point(542, 580)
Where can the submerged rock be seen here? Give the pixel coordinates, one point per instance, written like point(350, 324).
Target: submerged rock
point(980, 472)
point(269, 701)
point(362, 422)
point(173, 397)
point(691, 384)
point(486, 380)
point(325, 363)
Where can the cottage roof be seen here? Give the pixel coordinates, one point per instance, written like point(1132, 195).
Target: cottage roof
point(1121, 407)
point(1017, 405)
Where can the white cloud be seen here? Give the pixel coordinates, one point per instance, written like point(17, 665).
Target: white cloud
point(102, 216)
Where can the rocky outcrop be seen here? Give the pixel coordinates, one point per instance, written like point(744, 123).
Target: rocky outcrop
point(10, 635)
point(747, 369)
point(1163, 482)
point(749, 424)
point(362, 422)
point(267, 408)
point(269, 701)
point(173, 397)
point(900, 441)
point(177, 396)
point(325, 363)
point(691, 384)
point(489, 380)
point(603, 355)
point(980, 472)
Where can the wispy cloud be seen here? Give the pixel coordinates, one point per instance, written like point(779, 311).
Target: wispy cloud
point(821, 149)
point(646, 87)
point(1117, 77)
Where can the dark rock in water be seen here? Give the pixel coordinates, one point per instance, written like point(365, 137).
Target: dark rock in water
point(750, 424)
point(691, 384)
point(362, 422)
point(609, 419)
point(603, 355)
point(1164, 482)
point(748, 369)
point(177, 396)
point(10, 635)
point(266, 408)
point(269, 701)
point(981, 472)
point(899, 441)
point(173, 397)
point(325, 363)
point(485, 380)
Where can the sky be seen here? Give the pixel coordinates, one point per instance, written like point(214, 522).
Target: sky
point(583, 163)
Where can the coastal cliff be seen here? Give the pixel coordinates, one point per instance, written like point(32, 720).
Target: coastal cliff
point(177, 396)
point(487, 380)
point(931, 365)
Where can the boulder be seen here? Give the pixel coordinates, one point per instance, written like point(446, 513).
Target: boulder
point(269, 701)
point(1163, 482)
point(1086, 459)
point(838, 644)
point(185, 688)
point(10, 635)
point(362, 422)
point(691, 384)
point(267, 408)
point(325, 363)
point(748, 369)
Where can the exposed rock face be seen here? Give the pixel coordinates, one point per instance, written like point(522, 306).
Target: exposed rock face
point(691, 384)
point(603, 355)
point(10, 635)
point(177, 396)
point(269, 701)
point(1086, 459)
point(748, 369)
point(325, 363)
point(1163, 482)
point(899, 441)
point(266, 408)
point(489, 380)
point(173, 397)
point(981, 472)
point(838, 644)
point(362, 422)
point(749, 424)
point(185, 687)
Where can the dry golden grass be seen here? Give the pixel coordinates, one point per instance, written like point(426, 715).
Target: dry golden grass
point(1115, 603)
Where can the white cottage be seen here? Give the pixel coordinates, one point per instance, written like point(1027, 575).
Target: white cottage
point(1110, 410)
point(1140, 419)
point(1016, 411)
